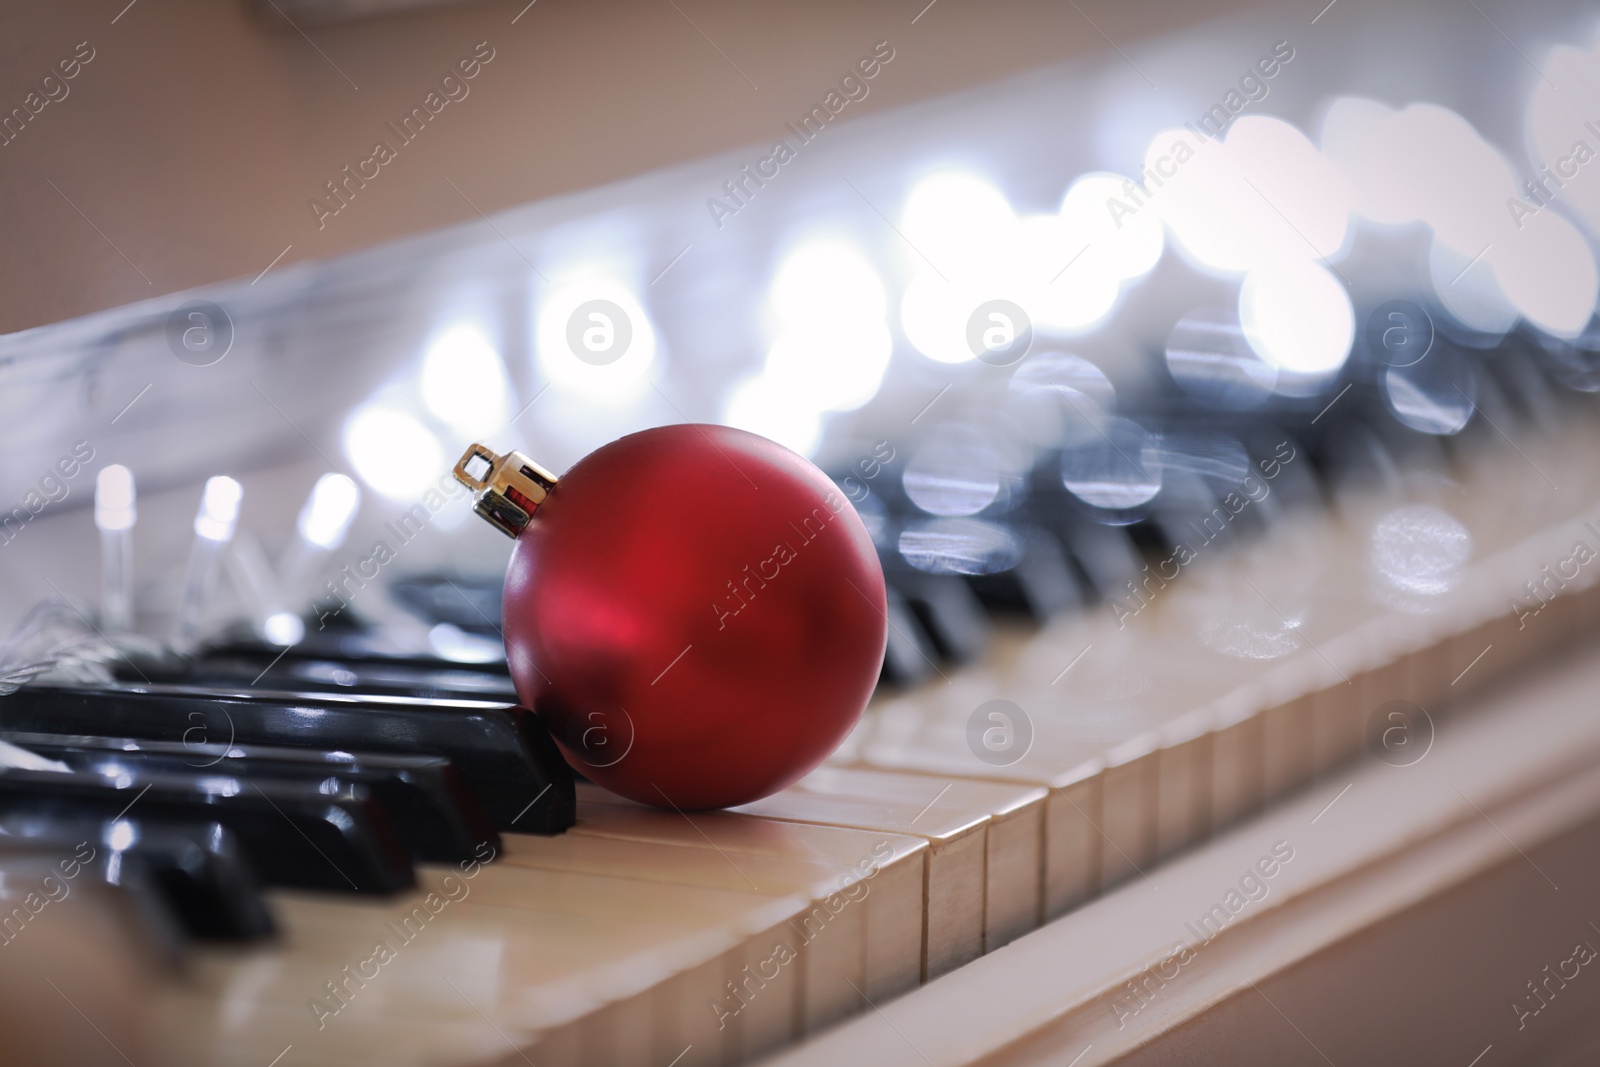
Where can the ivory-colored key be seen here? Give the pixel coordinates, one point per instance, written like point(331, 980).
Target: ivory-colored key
point(1015, 845)
point(190, 1027)
point(532, 952)
point(72, 950)
point(1069, 773)
point(836, 960)
point(892, 865)
point(1128, 809)
point(957, 840)
point(1237, 756)
point(1184, 764)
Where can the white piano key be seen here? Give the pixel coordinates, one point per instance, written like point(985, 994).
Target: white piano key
point(893, 865)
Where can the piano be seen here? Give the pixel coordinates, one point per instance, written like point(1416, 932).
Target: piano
point(1220, 395)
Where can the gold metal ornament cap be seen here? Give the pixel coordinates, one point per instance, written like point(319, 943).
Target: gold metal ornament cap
point(511, 489)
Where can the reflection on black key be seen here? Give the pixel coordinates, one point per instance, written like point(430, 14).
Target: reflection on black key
point(1039, 585)
point(1010, 568)
point(199, 867)
point(502, 752)
point(357, 646)
point(330, 676)
point(432, 810)
point(294, 834)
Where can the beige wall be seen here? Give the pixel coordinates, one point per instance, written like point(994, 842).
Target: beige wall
point(198, 132)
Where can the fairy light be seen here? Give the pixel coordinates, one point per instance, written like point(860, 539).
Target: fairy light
point(115, 512)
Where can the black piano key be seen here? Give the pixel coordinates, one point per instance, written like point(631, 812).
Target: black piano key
point(1281, 462)
point(504, 754)
point(1358, 459)
point(432, 810)
point(199, 868)
point(1531, 393)
point(209, 881)
point(1039, 586)
point(947, 610)
point(313, 837)
point(908, 654)
point(352, 647)
point(328, 676)
point(295, 834)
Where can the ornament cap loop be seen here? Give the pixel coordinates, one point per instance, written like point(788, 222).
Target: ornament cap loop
point(511, 489)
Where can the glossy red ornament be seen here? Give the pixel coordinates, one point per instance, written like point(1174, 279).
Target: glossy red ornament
point(696, 612)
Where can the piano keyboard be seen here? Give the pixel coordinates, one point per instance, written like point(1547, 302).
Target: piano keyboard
point(522, 917)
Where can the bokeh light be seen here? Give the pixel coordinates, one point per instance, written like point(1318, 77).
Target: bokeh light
point(1425, 163)
point(594, 340)
point(464, 381)
point(393, 451)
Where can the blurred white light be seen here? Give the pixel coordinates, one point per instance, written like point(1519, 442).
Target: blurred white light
point(966, 239)
point(1547, 270)
point(454, 514)
point(1054, 394)
point(594, 339)
point(1197, 193)
point(121, 836)
point(761, 406)
point(1209, 358)
point(1308, 197)
point(934, 313)
point(1067, 375)
point(827, 280)
point(958, 472)
point(1359, 138)
point(1568, 93)
point(1064, 270)
point(834, 370)
point(1115, 465)
point(1437, 395)
point(959, 546)
point(1264, 194)
point(1298, 318)
point(393, 452)
point(956, 219)
point(219, 509)
point(326, 515)
point(464, 381)
point(1427, 411)
point(23, 760)
point(831, 345)
point(1459, 176)
point(459, 646)
point(283, 628)
point(1426, 163)
point(1124, 245)
point(115, 499)
point(1057, 275)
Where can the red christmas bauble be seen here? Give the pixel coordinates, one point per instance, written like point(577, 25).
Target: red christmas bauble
point(697, 613)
